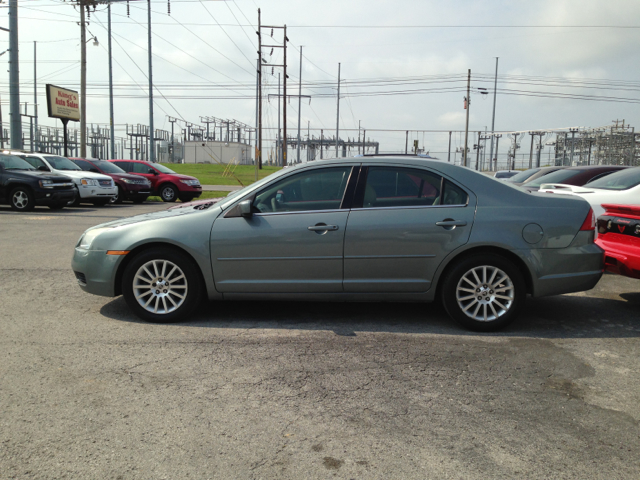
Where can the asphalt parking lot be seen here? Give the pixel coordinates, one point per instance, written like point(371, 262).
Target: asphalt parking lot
point(303, 390)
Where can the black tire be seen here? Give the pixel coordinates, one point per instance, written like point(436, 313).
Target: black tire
point(168, 193)
point(191, 283)
point(22, 199)
point(102, 202)
point(57, 206)
point(119, 196)
point(459, 295)
point(139, 200)
point(75, 202)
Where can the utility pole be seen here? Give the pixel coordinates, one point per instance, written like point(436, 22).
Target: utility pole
point(338, 115)
point(449, 156)
point(299, 102)
point(112, 136)
point(284, 93)
point(257, 154)
point(259, 159)
point(531, 151)
point(14, 78)
point(152, 141)
point(541, 134)
point(478, 150)
point(278, 145)
point(35, 95)
point(358, 137)
point(173, 147)
point(493, 117)
point(284, 102)
point(406, 143)
point(466, 129)
point(83, 82)
point(496, 160)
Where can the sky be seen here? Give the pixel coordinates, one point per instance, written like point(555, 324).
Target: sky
point(403, 64)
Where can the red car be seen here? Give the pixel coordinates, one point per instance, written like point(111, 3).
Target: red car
point(166, 183)
point(130, 187)
point(619, 236)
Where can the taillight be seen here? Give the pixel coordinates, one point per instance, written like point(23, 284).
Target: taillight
point(589, 222)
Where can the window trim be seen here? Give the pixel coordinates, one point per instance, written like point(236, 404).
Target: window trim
point(358, 201)
point(345, 203)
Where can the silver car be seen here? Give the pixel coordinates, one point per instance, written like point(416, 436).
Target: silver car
point(372, 229)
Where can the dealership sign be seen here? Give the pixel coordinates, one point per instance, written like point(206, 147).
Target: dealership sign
point(63, 103)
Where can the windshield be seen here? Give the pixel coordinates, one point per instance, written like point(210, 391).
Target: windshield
point(559, 176)
point(162, 168)
point(621, 180)
point(522, 176)
point(61, 163)
point(108, 167)
point(11, 162)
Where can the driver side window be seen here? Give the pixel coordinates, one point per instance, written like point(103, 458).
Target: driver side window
point(319, 189)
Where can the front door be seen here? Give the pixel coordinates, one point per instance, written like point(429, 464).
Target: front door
point(407, 221)
point(293, 242)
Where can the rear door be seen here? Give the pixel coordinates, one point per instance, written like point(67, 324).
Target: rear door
point(403, 224)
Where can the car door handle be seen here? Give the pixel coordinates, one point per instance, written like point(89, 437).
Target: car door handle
point(322, 228)
point(451, 223)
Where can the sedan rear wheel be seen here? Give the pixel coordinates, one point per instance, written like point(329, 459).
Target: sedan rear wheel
point(162, 285)
point(484, 292)
point(22, 199)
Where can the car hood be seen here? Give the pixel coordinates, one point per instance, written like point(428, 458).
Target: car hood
point(149, 217)
point(82, 174)
point(54, 177)
point(123, 176)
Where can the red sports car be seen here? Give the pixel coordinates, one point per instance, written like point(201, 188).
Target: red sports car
point(619, 236)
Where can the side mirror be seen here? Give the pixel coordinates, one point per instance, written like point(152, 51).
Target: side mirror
point(152, 171)
point(43, 168)
point(245, 208)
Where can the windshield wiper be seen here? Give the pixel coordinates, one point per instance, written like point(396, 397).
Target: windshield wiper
point(16, 168)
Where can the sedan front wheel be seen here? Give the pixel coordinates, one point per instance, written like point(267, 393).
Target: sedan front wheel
point(162, 285)
point(484, 292)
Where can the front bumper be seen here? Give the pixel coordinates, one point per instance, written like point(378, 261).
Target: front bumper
point(91, 192)
point(52, 197)
point(96, 271)
point(133, 191)
point(622, 254)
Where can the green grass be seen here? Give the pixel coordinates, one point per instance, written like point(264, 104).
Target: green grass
point(205, 195)
point(211, 174)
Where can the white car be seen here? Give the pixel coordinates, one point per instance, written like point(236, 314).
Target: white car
point(92, 187)
point(621, 188)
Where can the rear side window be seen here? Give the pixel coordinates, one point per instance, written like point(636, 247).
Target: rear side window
point(453, 195)
point(401, 187)
point(86, 166)
point(141, 168)
point(126, 166)
point(35, 162)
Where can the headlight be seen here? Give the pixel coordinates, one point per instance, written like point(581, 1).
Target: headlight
point(89, 236)
point(191, 182)
point(46, 184)
point(89, 181)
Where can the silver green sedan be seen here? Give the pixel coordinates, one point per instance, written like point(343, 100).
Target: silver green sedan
point(370, 228)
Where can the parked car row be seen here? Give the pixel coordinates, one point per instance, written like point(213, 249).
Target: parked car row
point(31, 179)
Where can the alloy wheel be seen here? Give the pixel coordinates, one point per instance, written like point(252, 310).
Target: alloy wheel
point(20, 199)
point(160, 286)
point(485, 293)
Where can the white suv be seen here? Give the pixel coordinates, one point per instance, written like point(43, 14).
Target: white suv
point(92, 187)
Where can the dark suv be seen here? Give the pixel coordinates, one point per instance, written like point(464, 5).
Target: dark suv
point(166, 183)
point(23, 187)
point(130, 187)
